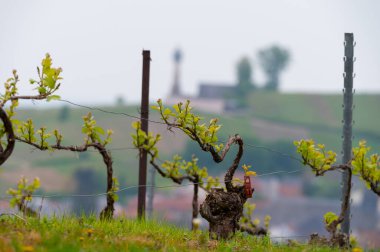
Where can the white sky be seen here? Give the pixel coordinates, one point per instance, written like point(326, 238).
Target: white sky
point(99, 43)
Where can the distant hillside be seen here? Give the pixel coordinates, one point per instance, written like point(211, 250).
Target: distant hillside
point(321, 115)
point(273, 121)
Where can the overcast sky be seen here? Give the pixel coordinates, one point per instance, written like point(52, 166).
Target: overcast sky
point(99, 43)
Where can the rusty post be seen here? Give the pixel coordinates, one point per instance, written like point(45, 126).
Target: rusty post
point(144, 126)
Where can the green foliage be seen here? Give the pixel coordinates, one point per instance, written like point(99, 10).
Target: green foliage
point(176, 168)
point(210, 182)
point(27, 132)
point(267, 220)
point(47, 84)
point(93, 132)
point(43, 137)
point(367, 167)
point(354, 242)
point(145, 141)
point(115, 188)
point(49, 79)
point(316, 157)
point(332, 222)
point(173, 168)
point(179, 167)
point(58, 137)
point(10, 87)
point(24, 191)
point(247, 172)
point(248, 211)
point(361, 164)
point(330, 217)
point(181, 117)
point(238, 181)
point(248, 220)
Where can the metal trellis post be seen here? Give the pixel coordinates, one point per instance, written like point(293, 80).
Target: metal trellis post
point(347, 118)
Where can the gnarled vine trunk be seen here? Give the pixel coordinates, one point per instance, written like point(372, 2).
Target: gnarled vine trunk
point(337, 237)
point(107, 212)
point(223, 209)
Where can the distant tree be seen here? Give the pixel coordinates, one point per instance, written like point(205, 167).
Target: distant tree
point(273, 60)
point(64, 114)
point(244, 76)
point(120, 101)
point(86, 181)
point(83, 156)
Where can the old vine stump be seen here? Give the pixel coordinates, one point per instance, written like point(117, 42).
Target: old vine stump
point(223, 210)
point(339, 240)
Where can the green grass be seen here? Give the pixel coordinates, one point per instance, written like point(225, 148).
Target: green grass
point(89, 234)
point(321, 115)
point(291, 108)
point(316, 109)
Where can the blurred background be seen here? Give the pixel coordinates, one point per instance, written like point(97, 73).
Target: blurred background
point(269, 70)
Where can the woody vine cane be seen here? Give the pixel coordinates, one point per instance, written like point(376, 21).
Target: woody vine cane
point(8, 128)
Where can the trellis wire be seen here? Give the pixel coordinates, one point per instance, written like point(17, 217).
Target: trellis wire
point(162, 123)
point(110, 112)
point(137, 186)
point(134, 148)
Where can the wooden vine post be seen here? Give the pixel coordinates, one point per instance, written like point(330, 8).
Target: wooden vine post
point(144, 127)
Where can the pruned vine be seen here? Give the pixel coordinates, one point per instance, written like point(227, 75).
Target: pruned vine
point(47, 84)
point(231, 201)
point(321, 161)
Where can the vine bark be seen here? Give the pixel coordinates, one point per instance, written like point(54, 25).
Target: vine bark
point(223, 209)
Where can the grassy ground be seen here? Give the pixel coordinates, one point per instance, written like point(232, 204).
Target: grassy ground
point(89, 234)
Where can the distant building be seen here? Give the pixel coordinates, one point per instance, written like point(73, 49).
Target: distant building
point(212, 97)
point(216, 91)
